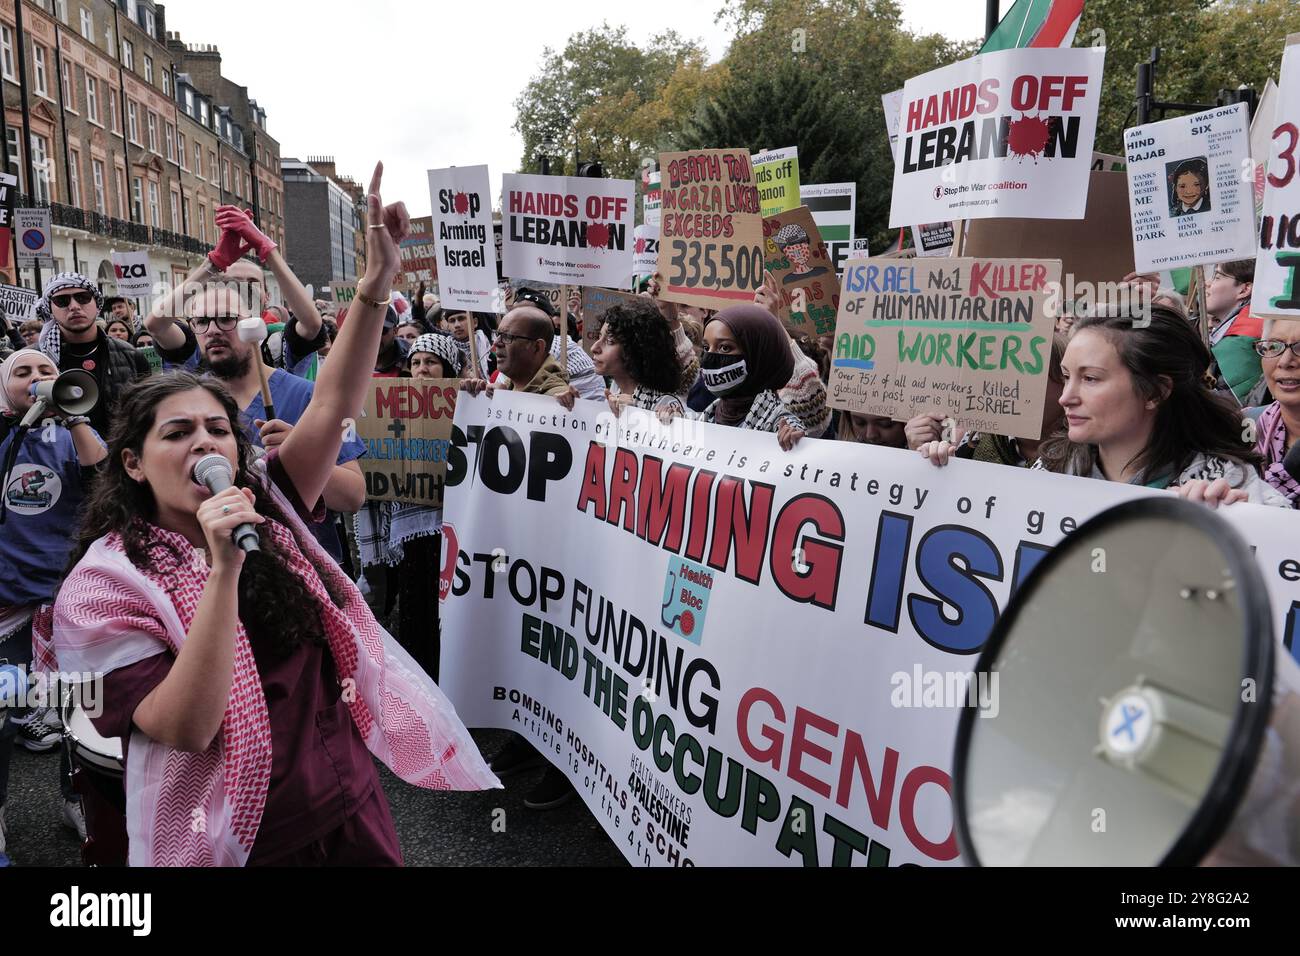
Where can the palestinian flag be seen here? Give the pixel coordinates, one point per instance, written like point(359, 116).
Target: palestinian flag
point(1040, 23)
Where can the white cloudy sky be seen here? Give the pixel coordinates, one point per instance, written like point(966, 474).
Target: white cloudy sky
point(426, 85)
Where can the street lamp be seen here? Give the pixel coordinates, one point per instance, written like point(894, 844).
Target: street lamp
point(548, 147)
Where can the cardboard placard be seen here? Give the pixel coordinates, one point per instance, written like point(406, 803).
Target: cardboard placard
point(152, 357)
point(1276, 292)
point(833, 207)
point(1188, 200)
point(651, 200)
point(568, 229)
point(343, 292)
point(1096, 249)
point(406, 426)
point(801, 265)
point(464, 238)
point(18, 304)
point(1004, 134)
point(776, 173)
point(595, 302)
point(933, 238)
point(968, 339)
point(711, 235)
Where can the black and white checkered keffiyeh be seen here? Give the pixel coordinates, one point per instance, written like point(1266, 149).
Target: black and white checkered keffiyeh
point(51, 341)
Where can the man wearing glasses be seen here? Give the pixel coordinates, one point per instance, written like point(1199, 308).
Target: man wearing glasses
point(522, 346)
point(72, 339)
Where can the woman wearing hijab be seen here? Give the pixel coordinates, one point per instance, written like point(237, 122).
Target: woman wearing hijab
point(747, 359)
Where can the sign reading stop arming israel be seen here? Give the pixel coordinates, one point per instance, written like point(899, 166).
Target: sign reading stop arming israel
point(749, 657)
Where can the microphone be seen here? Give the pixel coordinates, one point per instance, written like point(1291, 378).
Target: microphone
point(1292, 461)
point(213, 472)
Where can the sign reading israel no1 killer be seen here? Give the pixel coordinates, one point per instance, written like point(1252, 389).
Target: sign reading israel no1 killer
point(1005, 134)
point(568, 229)
point(407, 431)
point(755, 657)
point(968, 339)
point(711, 234)
point(1188, 200)
point(833, 207)
point(132, 271)
point(1277, 265)
point(463, 237)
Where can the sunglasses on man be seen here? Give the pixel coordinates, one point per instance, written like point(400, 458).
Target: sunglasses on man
point(64, 300)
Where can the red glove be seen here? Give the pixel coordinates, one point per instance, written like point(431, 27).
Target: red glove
point(230, 249)
point(240, 221)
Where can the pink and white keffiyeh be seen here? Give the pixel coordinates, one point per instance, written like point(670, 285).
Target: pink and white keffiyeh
point(187, 809)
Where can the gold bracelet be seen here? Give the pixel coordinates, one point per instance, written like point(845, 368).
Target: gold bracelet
point(373, 303)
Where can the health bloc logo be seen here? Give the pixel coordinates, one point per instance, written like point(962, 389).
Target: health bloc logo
point(686, 598)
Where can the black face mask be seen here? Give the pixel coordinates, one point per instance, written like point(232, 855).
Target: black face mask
point(723, 374)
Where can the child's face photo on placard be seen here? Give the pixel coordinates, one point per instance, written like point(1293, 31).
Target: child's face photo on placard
point(1189, 186)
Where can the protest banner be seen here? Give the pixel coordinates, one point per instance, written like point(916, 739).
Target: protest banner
point(800, 263)
point(464, 237)
point(833, 207)
point(1095, 250)
point(1188, 200)
point(967, 339)
point(933, 238)
point(1261, 131)
point(8, 198)
point(892, 103)
point(1107, 162)
point(595, 302)
point(776, 173)
point(570, 230)
point(1001, 134)
point(555, 293)
point(651, 199)
point(711, 235)
point(343, 292)
point(419, 263)
point(134, 279)
point(749, 657)
point(406, 427)
point(1276, 293)
point(645, 250)
point(152, 357)
point(34, 232)
point(18, 304)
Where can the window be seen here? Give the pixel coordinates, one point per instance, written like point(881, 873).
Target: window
point(176, 212)
point(128, 55)
point(169, 134)
point(167, 82)
point(225, 174)
point(92, 98)
point(150, 26)
point(87, 25)
point(137, 198)
point(7, 53)
point(154, 211)
point(69, 101)
point(97, 171)
point(213, 175)
point(121, 193)
point(148, 69)
point(112, 108)
point(203, 223)
point(187, 218)
point(74, 177)
point(39, 75)
point(132, 125)
point(180, 148)
point(248, 187)
point(198, 159)
point(205, 117)
point(152, 119)
point(61, 10)
point(42, 168)
point(189, 101)
point(15, 155)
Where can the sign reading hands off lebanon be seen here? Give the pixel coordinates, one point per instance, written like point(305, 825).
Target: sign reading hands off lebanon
point(739, 655)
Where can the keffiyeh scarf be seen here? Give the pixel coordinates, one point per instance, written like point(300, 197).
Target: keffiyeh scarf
point(1271, 444)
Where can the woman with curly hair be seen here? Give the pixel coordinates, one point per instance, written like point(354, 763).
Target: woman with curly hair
point(250, 685)
point(637, 352)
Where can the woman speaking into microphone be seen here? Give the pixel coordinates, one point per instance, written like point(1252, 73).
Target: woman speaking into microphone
point(250, 688)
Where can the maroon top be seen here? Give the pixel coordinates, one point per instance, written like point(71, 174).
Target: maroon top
point(321, 770)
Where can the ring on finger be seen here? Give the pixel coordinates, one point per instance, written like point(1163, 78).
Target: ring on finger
point(225, 509)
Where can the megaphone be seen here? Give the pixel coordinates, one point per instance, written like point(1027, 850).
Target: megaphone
point(74, 392)
point(1145, 716)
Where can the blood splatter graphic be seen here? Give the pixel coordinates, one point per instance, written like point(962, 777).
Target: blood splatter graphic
point(687, 623)
point(462, 204)
point(640, 246)
point(1027, 136)
point(597, 235)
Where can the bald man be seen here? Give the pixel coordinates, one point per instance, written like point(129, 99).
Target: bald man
point(522, 346)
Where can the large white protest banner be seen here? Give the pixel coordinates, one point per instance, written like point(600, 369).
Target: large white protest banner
point(132, 272)
point(568, 229)
point(1188, 198)
point(1005, 134)
point(1277, 264)
point(463, 238)
point(833, 207)
point(732, 650)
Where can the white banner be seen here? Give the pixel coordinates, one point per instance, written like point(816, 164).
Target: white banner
point(645, 255)
point(833, 207)
point(463, 239)
point(1190, 191)
point(726, 645)
point(1277, 266)
point(132, 271)
point(568, 229)
point(652, 206)
point(1005, 134)
point(893, 104)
